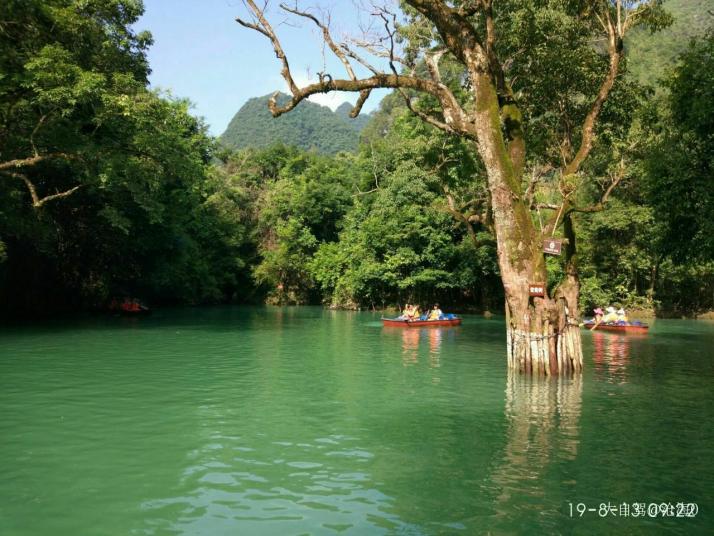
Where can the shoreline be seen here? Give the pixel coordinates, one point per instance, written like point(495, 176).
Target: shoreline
point(639, 314)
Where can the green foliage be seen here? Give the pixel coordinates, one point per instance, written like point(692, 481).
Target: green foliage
point(284, 262)
point(368, 229)
point(654, 247)
point(162, 213)
point(395, 247)
point(296, 200)
point(309, 126)
point(146, 218)
point(68, 68)
point(618, 255)
point(680, 171)
point(652, 55)
point(398, 243)
point(677, 179)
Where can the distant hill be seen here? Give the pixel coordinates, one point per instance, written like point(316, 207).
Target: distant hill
point(308, 126)
point(652, 54)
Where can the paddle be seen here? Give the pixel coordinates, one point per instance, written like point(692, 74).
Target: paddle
point(596, 324)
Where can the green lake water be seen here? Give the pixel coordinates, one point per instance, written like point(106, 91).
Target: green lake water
point(269, 421)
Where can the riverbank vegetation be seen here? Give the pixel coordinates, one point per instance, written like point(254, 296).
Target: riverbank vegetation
point(110, 189)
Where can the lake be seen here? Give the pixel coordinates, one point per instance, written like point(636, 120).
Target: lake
point(291, 421)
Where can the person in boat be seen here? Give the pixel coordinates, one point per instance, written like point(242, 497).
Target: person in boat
point(598, 314)
point(408, 312)
point(131, 306)
point(435, 313)
point(611, 316)
point(415, 313)
point(621, 316)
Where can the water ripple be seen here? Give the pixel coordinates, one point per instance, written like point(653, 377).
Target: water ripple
point(304, 421)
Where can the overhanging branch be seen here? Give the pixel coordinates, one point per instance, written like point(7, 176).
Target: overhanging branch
point(338, 51)
point(32, 160)
point(455, 117)
point(37, 201)
point(263, 27)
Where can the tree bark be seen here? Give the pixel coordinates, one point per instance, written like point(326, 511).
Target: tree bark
point(543, 336)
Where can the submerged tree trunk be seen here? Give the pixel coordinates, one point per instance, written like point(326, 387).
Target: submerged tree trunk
point(543, 337)
point(542, 332)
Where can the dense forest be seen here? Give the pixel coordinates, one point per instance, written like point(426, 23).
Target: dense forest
point(652, 55)
point(109, 189)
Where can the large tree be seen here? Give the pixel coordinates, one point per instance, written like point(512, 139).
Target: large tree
point(483, 70)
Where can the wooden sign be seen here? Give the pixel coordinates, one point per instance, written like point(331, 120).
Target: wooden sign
point(536, 290)
point(552, 246)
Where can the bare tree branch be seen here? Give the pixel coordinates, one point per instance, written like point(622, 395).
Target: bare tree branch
point(37, 201)
point(615, 52)
point(266, 29)
point(432, 64)
point(567, 207)
point(34, 131)
point(326, 36)
point(455, 117)
point(430, 118)
point(357, 108)
point(615, 180)
point(374, 51)
point(385, 15)
point(352, 54)
point(469, 218)
point(54, 197)
point(547, 206)
point(536, 175)
point(339, 52)
point(32, 160)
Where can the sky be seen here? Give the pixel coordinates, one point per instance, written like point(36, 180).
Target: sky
point(202, 54)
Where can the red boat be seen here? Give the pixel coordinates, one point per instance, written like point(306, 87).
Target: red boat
point(397, 323)
point(626, 328)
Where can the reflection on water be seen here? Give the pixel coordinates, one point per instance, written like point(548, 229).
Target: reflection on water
point(435, 335)
point(411, 338)
point(611, 356)
point(410, 346)
point(538, 407)
point(228, 421)
point(543, 416)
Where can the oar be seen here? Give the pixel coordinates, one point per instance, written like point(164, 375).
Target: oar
point(596, 324)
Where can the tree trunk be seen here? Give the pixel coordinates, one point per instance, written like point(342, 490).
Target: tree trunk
point(543, 337)
point(542, 333)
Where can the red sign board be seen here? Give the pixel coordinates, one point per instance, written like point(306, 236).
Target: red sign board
point(536, 290)
point(552, 246)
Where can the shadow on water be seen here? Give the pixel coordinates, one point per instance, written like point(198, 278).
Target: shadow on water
point(228, 318)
